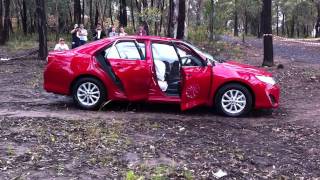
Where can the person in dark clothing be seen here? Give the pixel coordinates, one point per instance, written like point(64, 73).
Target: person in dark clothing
point(98, 33)
point(75, 37)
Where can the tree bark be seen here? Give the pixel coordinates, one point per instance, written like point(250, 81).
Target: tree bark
point(42, 29)
point(171, 21)
point(236, 30)
point(132, 15)
point(1, 17)
point(82, 12)
point(123, 18)
point(199, 12)
point(96, 18)
point(211, 24)
point(57, 20)
point(91, 15)
point(24, 17)
point(267, 33)
point(277, 9)
point(318, 21)
point(6, 28)
point(181, 19)
point(77, 11)
point(283, 31)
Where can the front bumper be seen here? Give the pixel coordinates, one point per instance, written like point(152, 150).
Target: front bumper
point(267, 97)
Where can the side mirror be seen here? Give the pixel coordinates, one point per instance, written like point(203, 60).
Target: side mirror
point(209, 63)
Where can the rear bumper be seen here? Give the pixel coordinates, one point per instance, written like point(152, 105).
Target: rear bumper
point(267, 97)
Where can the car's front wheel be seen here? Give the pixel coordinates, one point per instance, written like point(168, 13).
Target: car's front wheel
point(233, 100)
point(88, 93)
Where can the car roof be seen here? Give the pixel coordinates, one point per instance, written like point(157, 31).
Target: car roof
point(155, 38)
point(90, 47)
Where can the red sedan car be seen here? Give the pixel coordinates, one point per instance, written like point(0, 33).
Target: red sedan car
point(156, 69)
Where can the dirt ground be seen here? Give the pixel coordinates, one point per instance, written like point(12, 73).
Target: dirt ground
point(43, 136)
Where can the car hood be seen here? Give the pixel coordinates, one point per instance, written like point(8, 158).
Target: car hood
point(238, 67)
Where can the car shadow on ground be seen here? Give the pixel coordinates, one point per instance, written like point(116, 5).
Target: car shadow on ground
point(156, 108)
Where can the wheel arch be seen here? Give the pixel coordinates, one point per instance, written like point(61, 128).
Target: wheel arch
point(236, 82)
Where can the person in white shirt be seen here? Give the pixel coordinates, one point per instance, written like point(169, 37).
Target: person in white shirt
point(113, 32)
point(83, 35)
point(61, 46)
point(160, 72)
point(122, 32)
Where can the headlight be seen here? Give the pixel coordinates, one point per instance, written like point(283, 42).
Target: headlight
point(267, 79)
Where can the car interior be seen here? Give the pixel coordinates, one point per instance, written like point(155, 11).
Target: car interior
point(166, 60)
point(168, 55)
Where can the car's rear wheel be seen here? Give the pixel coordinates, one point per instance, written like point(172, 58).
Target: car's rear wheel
point(88, 93)
point(233, 100)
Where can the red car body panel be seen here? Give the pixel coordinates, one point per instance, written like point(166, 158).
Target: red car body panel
point(198, 87)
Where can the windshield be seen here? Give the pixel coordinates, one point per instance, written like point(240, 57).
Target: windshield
point(205, 54)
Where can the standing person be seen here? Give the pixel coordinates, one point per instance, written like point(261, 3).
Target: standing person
point(75, 39)
point(83, 35)
point(113, 32)
point(98, 33)
point(141, 31)
point(122, 32)
point(109, 29)
point(61, 46)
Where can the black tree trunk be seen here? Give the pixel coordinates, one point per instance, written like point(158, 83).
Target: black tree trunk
point(42, 29)
point(236, 30)
point(6, 28)
point(211, 28)
point(123, 18)
point(318, 21)
point(181, 19)
point(77, 11)
point(1, 17)
point(24, 17)
point(171, 24)
point(267, 33)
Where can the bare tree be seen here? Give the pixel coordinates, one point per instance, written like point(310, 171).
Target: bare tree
point(42, 29)
point(77, 11)
point(7, 22)
point(123, 18)
point(236, 30)
point(181, 19)
point(172, 18)
point(211, 28)
point(1, 17)
point(267, 33)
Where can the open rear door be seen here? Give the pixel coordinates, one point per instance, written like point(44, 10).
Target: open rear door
point(196, 82)
point(131, 68)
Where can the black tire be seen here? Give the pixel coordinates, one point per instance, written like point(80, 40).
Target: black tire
point(227, 88)
point(100, 87)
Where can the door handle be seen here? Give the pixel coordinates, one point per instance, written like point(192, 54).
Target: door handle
point(118, 65)
point(189, 75)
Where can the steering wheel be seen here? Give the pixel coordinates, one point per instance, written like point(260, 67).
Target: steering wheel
point(186, 60)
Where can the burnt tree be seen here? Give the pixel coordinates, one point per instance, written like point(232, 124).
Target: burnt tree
point(77, 11)
point(181, 19)
point(236, 30)
point(6, 27)
point(42, 28)
point(1, 17)
point(123, 18)
point(267, 33)
point(318, 21)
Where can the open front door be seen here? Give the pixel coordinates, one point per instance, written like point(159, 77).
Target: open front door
point(131, 68)
point(196, 82)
